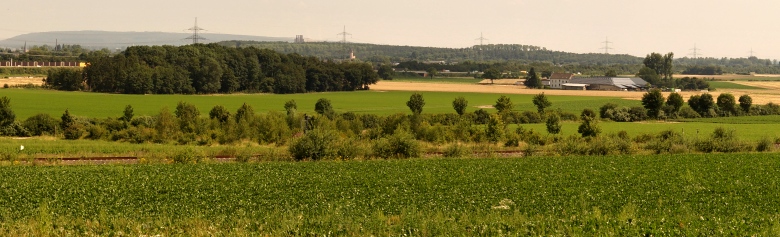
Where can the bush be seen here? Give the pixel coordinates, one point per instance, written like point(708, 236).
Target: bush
point(350, 149)
point(456, 150)
point(14, 129)
point(639, 113)
point(399, 145)
point(604, 110)
point(764, 145)
point(688, 112)
point(96, 132)
point(41, 124)
point(316, 144)
point(187, 155)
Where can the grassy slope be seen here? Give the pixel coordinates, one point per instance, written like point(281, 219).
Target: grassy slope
point(726, 194)
point(26, 103)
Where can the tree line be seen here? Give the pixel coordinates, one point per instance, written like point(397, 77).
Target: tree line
point(211, 68)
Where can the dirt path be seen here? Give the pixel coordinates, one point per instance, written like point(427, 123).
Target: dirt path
point(759, 96)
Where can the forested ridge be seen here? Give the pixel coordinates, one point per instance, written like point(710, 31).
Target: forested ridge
point(511, 54)
point(212, 68)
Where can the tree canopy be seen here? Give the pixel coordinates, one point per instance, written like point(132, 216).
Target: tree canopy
point(211, 68)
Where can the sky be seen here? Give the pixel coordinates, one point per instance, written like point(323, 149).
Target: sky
point(717, 28)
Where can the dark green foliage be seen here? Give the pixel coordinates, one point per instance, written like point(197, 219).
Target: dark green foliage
point(431, 71)
point(722, 140)
point(7, 115)
point(553, 123)
point(611, 73)
point(649, 75)
point(503, 104)
point(127, 114)
point(604, 110)
point(290, 107)
point(219, 113)
point(532, 80)
point(662, 66)
point(245, 114)
point(14, 129)
point(492, 74)
point(764, 145)
point(323, 107)
point(589, 126)
point(460, 104)
point(676, 101)
point(727, 104)
point(638, 113)
point(385, 72)
point(693, 84)
point(188, 116)
point(316, 144)
point(416, 103)
point(41, 124)
point(653, 101)
point(541, 102)
point(67, 120)
point(494, 129)
point(65, 79)
point(399, 145)
point(213, 68)
point(481, 116)
point(703, 104)
point(688, 112)
point(745, 102)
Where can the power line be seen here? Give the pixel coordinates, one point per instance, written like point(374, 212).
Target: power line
point(606, 47)
point(195, 37)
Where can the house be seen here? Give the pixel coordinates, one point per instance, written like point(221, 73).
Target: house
point(558, 79)
point(611, 83)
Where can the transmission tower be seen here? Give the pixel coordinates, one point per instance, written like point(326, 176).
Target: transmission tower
point(481, 39)
point(695, 53)
point(344, 35)
point(195, 36)
point(751, 52)
point(606, 46)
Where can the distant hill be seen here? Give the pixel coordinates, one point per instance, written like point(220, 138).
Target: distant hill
point(492, 52)
point(113, 40)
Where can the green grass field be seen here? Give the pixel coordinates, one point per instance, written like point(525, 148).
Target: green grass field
point(731, 85)
point(664, 195)
point(26, 103)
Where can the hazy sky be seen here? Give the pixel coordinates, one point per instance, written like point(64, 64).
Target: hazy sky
point(719, 28)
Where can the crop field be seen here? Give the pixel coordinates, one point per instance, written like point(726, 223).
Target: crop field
point(668, 195)
point(26, 103)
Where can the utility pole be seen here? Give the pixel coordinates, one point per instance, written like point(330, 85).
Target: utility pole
point(606, 46)
point(195, 36)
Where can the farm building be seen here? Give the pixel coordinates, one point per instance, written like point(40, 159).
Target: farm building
point(611, 83)
point(574, 86)
point(558, 79)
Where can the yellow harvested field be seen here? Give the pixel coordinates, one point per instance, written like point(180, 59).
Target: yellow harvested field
point(12, 81)
point(759, 96)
